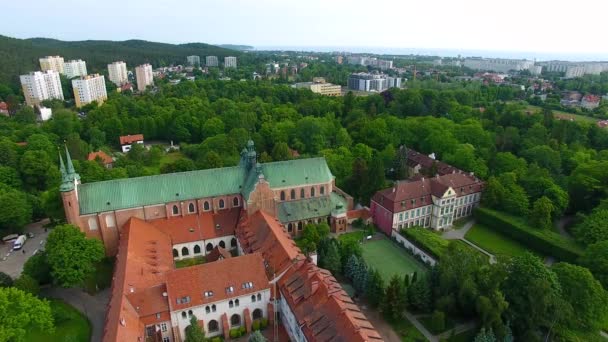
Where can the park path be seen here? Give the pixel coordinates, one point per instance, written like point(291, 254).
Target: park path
point(457, 330)
point(421, 328)
point(93, 307)
point(459, 234)
point(561, 226)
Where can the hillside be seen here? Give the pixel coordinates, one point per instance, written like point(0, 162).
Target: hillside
point(236, 47)
point(21, 55)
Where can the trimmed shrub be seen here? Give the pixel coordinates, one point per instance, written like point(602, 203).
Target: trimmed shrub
point(438, 321)
point(242, 331)
point(426, 240)
point(264, 323)
point(235, 333)
point(255, 325)
point(545, 242)
point(216, 339)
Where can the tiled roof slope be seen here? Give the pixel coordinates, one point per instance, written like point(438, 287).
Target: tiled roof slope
point(206, 225)
point(311, 207)
point(143, 259)
point(129, 139)
point(323, 309)
point(135, 192)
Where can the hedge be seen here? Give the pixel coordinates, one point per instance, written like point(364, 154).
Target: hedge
point(546, 242)
point(426, 240)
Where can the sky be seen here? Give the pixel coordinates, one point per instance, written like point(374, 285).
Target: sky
point(575, 28)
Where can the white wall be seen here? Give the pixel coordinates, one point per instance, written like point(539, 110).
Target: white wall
point(425, 257)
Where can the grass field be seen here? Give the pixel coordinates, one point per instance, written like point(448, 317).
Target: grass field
point(189, 262)
point(558, 114)
point(494, 242)
point(389, 259)
point(70, 325)
point(407, 331)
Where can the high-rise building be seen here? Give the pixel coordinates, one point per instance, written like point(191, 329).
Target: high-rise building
point(54, 63)
point(230, 62)
point(144, 76)
point(117, 73)
point(211, 61)
point(498, 64)
point(89, 88)
point(39, 86)
point(363, 81)
point(75, 68)
point(575, 71)
point(193, 60)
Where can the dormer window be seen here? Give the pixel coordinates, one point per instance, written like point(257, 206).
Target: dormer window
point(248, 285)
point(183, 300)
point(229, 289)
point(208, 293)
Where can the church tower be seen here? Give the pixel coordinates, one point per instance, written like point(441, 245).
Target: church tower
point(69, 189)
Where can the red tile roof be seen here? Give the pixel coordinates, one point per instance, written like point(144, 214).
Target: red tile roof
point(207, 225)
point(323, 309)
point(129, 139)
point(591, 98)
point(217, 253)
point(104, 157)
point(216, 277)
point(263, 233)
point(3, 106)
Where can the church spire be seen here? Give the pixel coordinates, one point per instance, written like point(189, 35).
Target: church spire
point(61, 166)
point(69, 177)
point(70, 169)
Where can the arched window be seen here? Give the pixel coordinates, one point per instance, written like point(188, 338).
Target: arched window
point(175, 253)
point(184, 314)
point(300, 226)
point(236, 302)
point(222, 244)
point(257, 314)
point(322, 190)
point(213, 326)
point(302, 193)
point(213, 307)
point(293, 194)
point(189, 313)
point(92, 223)
point(282, 195)
point(197, 249)
point(230, 304)
point(207, 309)
point(233, 242)
point(175, 210)
point(209, 247)
point(253, 298)
point(206, 206)
point(110, 222)
point(259, 297)
point(235, 202)
point(235, 320)
point(185, 251)
point(290, 227)
point(221, 204)
point(191, 207)
point(312, 192)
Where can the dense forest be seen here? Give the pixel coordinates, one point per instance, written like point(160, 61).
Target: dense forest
point(536, 167)
point(20, 56)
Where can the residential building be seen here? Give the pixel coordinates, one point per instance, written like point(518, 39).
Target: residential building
point(193, 60)
point(54, 63)
point(229, 62)
point(574, 71)
point(370, 61)
point(590, 101)
point(89, 88)
point(3, 108)
point(117, 73)
point(536, 70)
point(44, 113)
point(102, 157)
point(75, 68)
point(39, 86)
point(339, 59)
point(127, 140)
point(211, 61)
point(498, 64)
point(321, 88)
point(372, 82)
point(426, 200)
point(144, 76)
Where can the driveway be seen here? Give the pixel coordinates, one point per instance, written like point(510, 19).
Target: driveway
point(11, 262)
point(94, 307)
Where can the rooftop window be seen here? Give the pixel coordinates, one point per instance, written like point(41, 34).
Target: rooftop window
point(229, 289)
point(248, 285)
point(208, 293)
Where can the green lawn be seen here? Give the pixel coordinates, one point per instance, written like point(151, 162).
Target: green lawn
point(469, 247)
point(427, 322)
point(357, 235)
point(406, 331)
point(101, 278)
point(389, 259)
point(558, 114)
point(465, 336)
point(189, 262)
point(494, 242)
point(70, 325)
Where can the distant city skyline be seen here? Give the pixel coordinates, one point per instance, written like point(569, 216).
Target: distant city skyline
point(524, 29)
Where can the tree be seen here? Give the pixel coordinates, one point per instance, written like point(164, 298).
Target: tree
point(257, 337)
point(38, 268)
point(351, 265)
point(394, 302)
point(5, 280)
point(15, 211)
point(540, 216)
point(594, 228)
point(27, 284)
point(419, 295)
point(360, 277)
point(37, 170)
point(280, 151)
point(23, 312)
point(331, 259)
point(194, 332)
point(585, 294)
point(179, 165)
point(438, 321)
point(375, 288)
point(485, 336)
point(71, 255)
point(595, 258)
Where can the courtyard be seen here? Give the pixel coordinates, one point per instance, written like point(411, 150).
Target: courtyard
point(389, 259)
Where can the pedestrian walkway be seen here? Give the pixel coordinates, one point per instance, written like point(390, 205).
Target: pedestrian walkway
point(421, 328)
point(444, 335)
point(459, 234)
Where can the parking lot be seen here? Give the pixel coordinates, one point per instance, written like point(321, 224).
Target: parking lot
point(11, 262)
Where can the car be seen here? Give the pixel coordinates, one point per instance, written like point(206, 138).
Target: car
point(19, 242)
point(30, 235)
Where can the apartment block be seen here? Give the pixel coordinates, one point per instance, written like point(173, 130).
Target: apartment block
point(75, 68)
point(144, 76)
point(54, 63)
point(498, 64)
point(88, 89)
point(193, 60)
point(229, 62)
point(39, 86)
point(117, 73)
point(363, 81)
point(211, 61)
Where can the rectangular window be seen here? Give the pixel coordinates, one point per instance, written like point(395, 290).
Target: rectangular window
point(441, 212)
point(401, 217)
point(163, 327)
point(166, 339)
point(417, 212)
point(407, 215)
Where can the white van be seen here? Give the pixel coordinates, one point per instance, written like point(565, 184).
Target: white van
point(19, 242)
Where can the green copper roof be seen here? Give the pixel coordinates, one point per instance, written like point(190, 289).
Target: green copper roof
point(304, 209)
point(140, 191)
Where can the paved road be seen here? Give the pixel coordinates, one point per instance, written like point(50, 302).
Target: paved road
point(11, 262)
point(94, 307)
